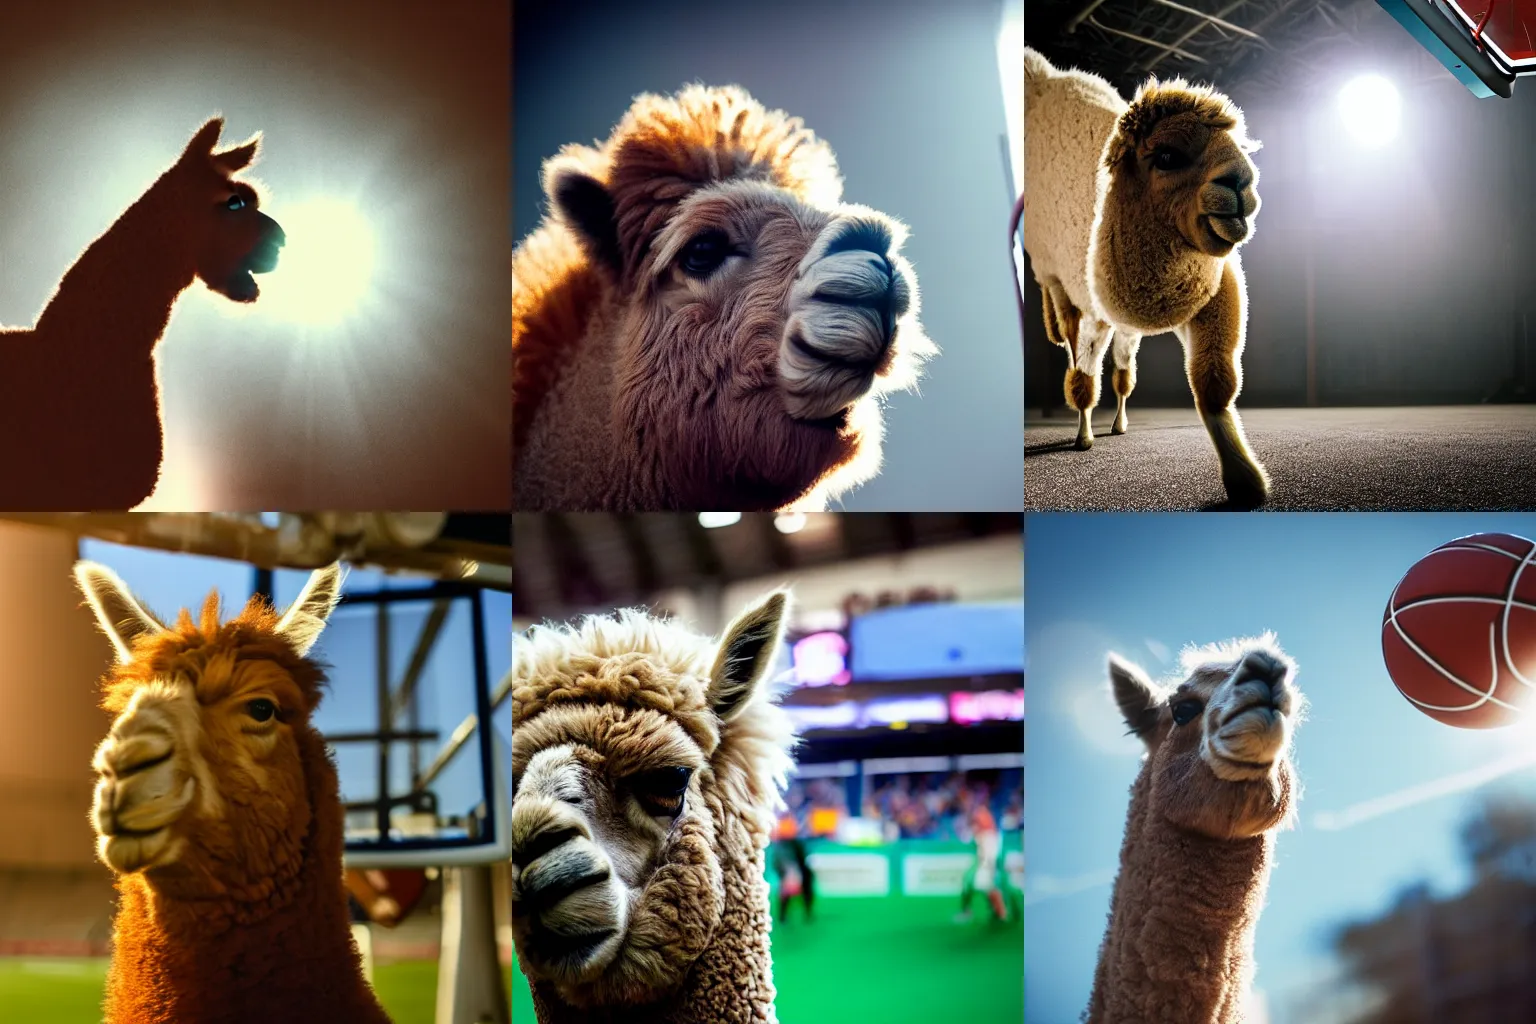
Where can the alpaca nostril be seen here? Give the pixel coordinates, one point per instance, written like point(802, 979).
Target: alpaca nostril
point(541, 844)
point(1236, 180)
point(142, 763)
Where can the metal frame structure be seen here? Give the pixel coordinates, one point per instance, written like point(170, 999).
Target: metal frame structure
point(493, 839)
point(1241, 45)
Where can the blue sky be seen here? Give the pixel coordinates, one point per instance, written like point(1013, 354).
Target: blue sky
point(1145, 586)
point(166, 582)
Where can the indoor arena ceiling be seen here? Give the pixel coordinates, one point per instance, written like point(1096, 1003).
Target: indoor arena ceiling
point(1245, 46)
point(568, 563)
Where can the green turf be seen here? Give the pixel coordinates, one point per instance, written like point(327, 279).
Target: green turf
point(41, 990)
point(898, 960)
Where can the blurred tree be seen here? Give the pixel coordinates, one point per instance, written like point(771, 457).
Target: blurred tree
point(1469, 958)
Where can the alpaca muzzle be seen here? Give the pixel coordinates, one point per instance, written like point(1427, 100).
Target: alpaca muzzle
point(1254, 714)
point(141, 791)
point(568, 910)
point(840, 336)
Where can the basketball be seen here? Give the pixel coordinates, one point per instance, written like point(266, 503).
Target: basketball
point(1459, 633)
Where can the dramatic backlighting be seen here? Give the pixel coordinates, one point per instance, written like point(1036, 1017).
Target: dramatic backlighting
point(1370, 108)
point(326, 267)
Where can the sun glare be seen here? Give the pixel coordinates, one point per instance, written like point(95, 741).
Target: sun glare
point(326, 265)
point(1370, 108)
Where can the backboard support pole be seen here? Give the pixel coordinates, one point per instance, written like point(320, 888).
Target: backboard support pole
point(470, 986)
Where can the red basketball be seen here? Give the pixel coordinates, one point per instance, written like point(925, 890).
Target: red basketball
point(1459, 634)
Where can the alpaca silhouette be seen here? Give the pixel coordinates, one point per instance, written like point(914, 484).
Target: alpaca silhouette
point(79, 396)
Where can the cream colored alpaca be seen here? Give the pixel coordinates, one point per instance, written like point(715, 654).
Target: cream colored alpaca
point(1200, 835)
point(646, 763)
point(1133, 215)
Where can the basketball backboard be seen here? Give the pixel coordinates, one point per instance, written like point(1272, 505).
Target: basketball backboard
point(1486, 44)
point(417, 668)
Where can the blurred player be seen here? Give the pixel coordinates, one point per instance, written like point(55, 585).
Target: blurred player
point(794, 870)
point(989, 843)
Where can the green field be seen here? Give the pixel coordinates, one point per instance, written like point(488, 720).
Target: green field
point(893, 959)
point(57, 990)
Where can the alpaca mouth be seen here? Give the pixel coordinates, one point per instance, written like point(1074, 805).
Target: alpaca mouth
point(836, 423)
point(556, 948)
point(1228, 229)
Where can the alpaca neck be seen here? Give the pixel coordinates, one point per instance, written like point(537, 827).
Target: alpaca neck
point(1180, 941)
point(115, 301)
point(567, 453)
point(1142, 272)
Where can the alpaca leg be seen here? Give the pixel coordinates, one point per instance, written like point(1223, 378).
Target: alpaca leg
point(1082, 383)
point(1213, 349)
point(1124, 378)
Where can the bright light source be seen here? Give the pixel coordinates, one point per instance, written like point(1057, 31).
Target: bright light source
point(789, 522)
point(325, 267)
point(712, 520)
point(1370, 108)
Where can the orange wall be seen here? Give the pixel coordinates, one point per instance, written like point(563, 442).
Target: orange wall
point(50, 658)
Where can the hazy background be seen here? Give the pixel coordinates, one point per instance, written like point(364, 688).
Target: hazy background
point(1422, 251)
point(399, 108)
point(910, 98)
point(1386, 789)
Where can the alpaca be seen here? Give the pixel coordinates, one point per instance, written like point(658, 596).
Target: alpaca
point(1133, 217)
point(646, 763)
point(217, 808)
point(1200, 834)
point(79, 396)
point(700, 322)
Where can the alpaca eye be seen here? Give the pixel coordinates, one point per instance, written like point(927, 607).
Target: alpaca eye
point(704, 253)
point(1169, 159)
point(664, 783)
point(1186, 711)
point(234, 203)
point(261, 709)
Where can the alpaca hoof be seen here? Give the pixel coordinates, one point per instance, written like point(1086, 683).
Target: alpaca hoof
point(1084, 442)
point(1119, 426)
point(1247, 486)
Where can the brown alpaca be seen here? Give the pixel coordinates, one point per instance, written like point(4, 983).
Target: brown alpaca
point(1199, 838)
point(1134, 215)
point(217, 807)
point(701, 322)
point(79, 398)
point(646, 761)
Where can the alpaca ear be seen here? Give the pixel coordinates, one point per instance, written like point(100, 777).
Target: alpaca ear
point(1139, 698)
point(203, 142)
point(746, 652)
point(242, 156)
point(305, 618)
point(118, 612)
point(585, 206)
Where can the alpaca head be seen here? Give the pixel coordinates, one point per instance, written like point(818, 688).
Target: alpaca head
point(757, 317)
point(1180, 158)
point(232, 239)
point(633, 742)
point(1218, 743)
point(204, 780)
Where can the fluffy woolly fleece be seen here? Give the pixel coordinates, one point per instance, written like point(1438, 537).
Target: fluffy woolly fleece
point(1216, 785)
point(1134, 213)
point(79, 397)
point(217, 808)
point(700, 321)
point(636, 900)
